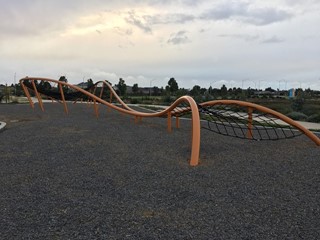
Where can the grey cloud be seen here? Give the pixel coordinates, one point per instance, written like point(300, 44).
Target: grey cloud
point(244, 12)
point(246, 37)
point(167, 2)
point(178, 38)
point(273, 39)
point(249, 38)
point(146, 22)
point(169, 18)
point(136, 21)
point(266, 16)
point(225, 11)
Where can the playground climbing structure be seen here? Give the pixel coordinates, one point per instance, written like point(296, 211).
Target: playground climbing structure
point(227, 117)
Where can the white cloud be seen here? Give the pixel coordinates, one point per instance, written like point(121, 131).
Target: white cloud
point(193, 41)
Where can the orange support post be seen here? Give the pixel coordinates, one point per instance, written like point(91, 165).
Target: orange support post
point(195, 149)
point(63, 99)
point(177, 122)
point(101, 91)
point(95, 108)
point(26, 92)
point(38, 96)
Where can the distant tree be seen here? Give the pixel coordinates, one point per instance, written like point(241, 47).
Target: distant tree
point(203, 91)
point(122, 87)
point(182, 92)
point(224, 91)
point(64, 79)
point(250, 92)
point(18, 89)
point(173, 85)
point(269, 89)
point(46, 85)
point(89, 83)
point(156, 91)
point(167, 90)
point(299, 93)
point(196, 90)
point(135, 88)
point(40, 85)
point(162, 91)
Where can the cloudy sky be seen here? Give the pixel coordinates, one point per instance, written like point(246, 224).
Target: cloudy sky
point(241, 43)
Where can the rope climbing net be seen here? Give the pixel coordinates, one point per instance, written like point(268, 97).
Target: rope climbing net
point(246, 123)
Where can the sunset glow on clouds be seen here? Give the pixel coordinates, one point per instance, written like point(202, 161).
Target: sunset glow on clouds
point(197, 42)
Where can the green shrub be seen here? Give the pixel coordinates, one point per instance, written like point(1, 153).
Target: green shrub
point(134, 101)
point(297, 116)
point(310, 109)
point(314, 118)
point(167, 99)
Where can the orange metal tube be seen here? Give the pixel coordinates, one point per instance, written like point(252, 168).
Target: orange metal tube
point(26, 92)
point(101, 91)
point(177, 122)
point(95, 108)
point(63, 99)
point(38, 96)
point(195, 149)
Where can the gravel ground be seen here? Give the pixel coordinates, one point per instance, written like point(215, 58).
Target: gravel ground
point(78, 177)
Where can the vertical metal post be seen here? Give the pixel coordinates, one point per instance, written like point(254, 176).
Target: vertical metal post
point(38, 95)
point(63, 99)
point(101, 91)
point(95, 108)
point(26, 92)
point(177, 122)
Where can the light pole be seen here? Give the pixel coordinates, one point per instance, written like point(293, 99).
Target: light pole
point(15, 87)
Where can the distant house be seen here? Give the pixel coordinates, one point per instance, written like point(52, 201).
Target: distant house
point(292, 93)
point(145, 90)
point(2, 88)
point(264, 93)
point(83, 85)
point(129, 89)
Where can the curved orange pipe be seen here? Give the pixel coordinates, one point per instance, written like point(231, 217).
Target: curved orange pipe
point(195, 149)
